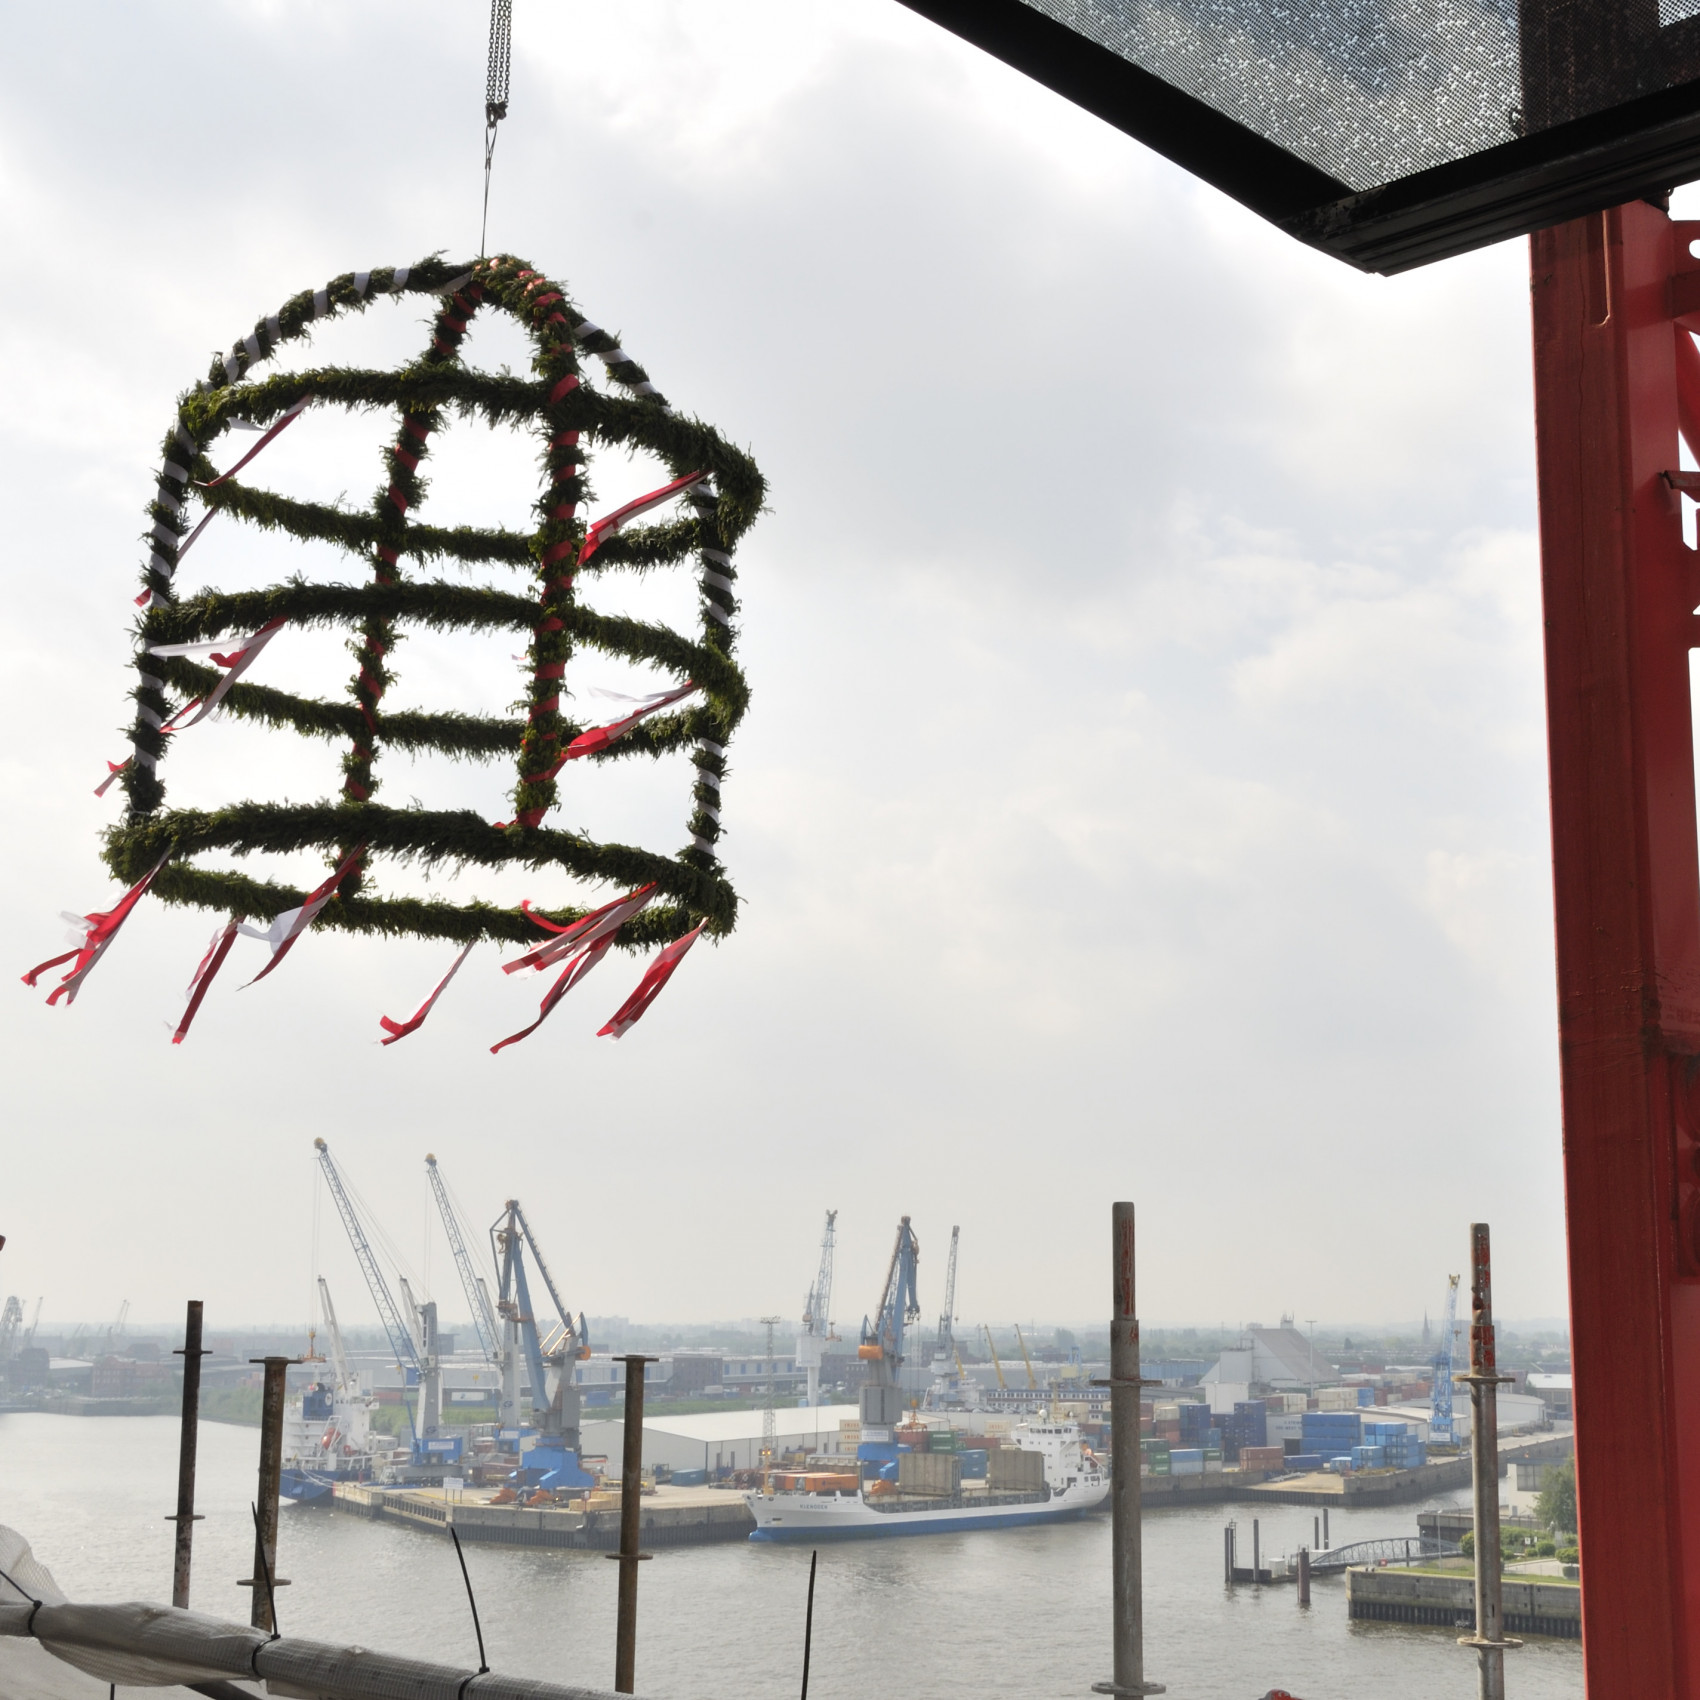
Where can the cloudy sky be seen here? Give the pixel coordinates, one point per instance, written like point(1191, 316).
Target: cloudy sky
point(1143, 794)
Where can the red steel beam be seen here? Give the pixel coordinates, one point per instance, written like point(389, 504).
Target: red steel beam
point(1611, 293)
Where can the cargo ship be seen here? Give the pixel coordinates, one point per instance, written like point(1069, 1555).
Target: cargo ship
point(328, 1438)
point(1046, 1476)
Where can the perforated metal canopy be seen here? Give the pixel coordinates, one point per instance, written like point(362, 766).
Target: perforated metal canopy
point(1387, 132)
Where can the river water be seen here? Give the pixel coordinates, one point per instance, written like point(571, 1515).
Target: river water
point(1019, 1613)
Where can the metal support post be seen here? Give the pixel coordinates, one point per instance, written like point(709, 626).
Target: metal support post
point(271, 1482)
point(1256, 1554)
point(1228, 1555)
point(1304, 1576)
point(1325, 1541)
point(1616, 374)
point(1126, 1573)
point(1484, 1379)
point(185, 1519)
point(631, 1512)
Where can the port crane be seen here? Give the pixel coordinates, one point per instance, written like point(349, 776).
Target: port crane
point(1441, 1428)
point(401, 1336)
point(471, 1283)
point(339, 1357)
point(556, 1414)
point(1032, 1381)
point(997, 1368)
point(944, 1347)
point(882, 1340)
point(817, 1313)
point(11, 1320)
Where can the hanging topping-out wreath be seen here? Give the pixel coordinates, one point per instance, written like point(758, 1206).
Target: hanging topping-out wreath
point(199, 653)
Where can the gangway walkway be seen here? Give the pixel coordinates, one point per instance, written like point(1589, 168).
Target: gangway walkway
point(1401, 1549)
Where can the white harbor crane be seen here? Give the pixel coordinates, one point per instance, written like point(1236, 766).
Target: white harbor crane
point(400, 1334)
point(471, 1283)
point(11, 1320)
point(944, 1347)
point(339, 1357)
point(817, 1313)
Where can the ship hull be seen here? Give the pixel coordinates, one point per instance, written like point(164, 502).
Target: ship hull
point(848, 1517)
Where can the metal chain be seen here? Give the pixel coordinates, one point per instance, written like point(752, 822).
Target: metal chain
point(495, 95)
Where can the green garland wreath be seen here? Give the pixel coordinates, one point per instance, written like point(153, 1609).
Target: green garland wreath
point(569, 415)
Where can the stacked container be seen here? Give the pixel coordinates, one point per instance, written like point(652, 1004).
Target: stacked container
point(1186, 1461)
point(1331, 1433)
point(1399, 1442)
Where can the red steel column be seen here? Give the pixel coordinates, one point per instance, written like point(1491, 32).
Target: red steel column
point(1619, 589)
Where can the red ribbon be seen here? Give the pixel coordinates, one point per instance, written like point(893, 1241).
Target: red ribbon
point(217, 951)
point(659, 972)
point(103, 928)
point(283, 424)
point(570, 976)
point(608, 526)
point(401, 1029)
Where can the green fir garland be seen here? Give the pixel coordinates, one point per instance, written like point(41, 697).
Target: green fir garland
point(400, 554)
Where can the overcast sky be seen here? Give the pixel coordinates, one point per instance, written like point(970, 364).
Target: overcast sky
point(1143, 794)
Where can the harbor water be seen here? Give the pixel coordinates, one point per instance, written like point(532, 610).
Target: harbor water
point(1017, 1612)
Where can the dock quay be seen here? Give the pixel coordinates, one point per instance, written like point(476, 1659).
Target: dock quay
point(1357, 1490)
point(1545, 1607)
point(671, 1517)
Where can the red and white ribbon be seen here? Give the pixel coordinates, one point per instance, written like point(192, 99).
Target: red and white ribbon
point(290, 415)
point(401, 1029)
point(236, 662)
point(600, 737)
point(113, 769)
point(569, 977)
point(292, 923)
point(98, 931)
point(586, 930)
point(658, 973)
point(145, 600)
point(210, 964)
point(610, 525)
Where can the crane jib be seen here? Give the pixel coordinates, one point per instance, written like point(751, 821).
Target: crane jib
point(400, 1336)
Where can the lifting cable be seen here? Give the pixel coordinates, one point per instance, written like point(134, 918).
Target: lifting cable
point(495, 95)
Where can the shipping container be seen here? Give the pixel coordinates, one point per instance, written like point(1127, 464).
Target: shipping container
point(1014, 1469)
point(1304, 1460)
point(929, 1472)
point(973, 1461)
point(1179, 1466)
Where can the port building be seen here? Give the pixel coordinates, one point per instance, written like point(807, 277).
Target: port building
point(1280, 1358)
point(719, 1440)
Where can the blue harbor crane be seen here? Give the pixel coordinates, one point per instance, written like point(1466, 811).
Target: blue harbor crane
point(555, 1414)
point(1441, 1429)
point(419, 1356)
point(881, 1349)
point(477, 1294)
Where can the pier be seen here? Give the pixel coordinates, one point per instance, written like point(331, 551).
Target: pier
point(1546, 1607)
point(669, 1517)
